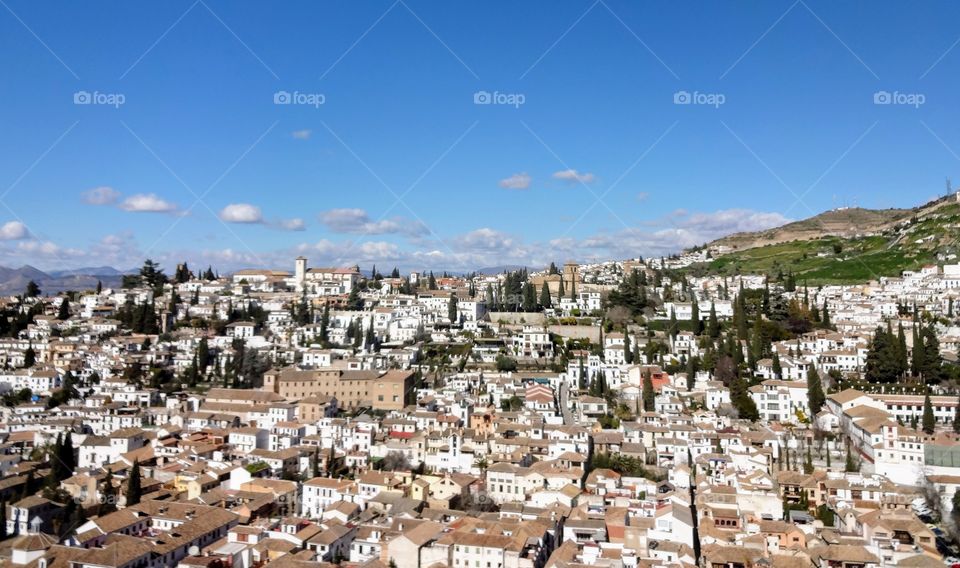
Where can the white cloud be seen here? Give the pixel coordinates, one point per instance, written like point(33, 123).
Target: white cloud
point(301, 134)
point(573, 176)
point(103, 195)
point(241, 213)
point(726, 221)
point(358, 222)
point(147, 203)
point(484, 239)
point(46, 249)
point(295, 224)
point(516, 181)
point(13, 231)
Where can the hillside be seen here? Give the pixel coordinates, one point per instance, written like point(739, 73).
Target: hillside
point(845, 245)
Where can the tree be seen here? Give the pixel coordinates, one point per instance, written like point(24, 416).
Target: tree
point(627, 353)
point(203, 355)
point(64, 311)
point(452, 313)
point(67, 455)
point(151, 274)
point(505, 364)
point(849, 465)
point(108, 495)
point(3, 519)
point(33, 290)
point(76, 517)
point(182, 274)
point(57, 471)
point(928, 422)
point(691, 372)
point(325, 324)
point(713, 325)
point(927, 352)
point(29, 357)
point(695, 322)
point(134, 490)
point(545, 296)
point(631, 293)
point(354, 302)
point(529, 297)
point(883, 362)
point(649, 396)
point(395, 461)
point(742, 401)
point(815, 395)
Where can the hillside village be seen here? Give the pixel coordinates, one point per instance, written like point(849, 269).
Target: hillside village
point(612, 415)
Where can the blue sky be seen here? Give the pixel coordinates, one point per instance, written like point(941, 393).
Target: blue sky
point(181, 151)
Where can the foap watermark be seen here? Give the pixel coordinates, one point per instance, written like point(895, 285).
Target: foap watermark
point(298, 98)
point(97, 98)
point(497, 98)
point(698, 98)
point(898, 98)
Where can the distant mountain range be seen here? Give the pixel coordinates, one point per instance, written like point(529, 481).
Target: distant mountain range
point(14, 280)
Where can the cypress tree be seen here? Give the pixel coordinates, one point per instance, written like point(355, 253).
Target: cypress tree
point(64, 311)
point(713, 325)
point(691, 373)
point(742, 401)
point(67, 456)
point(108, 495)
point(203, 355)
point(545, 295)
point(134, 490)
point(29, 357)
point(929, 422)
point(452, 313)
point(325, 324)
point(649, 397)
point(740, 314)
point(815, 396)
point(695, 322)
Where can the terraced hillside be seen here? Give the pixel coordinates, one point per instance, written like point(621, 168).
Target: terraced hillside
point(846, 246)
